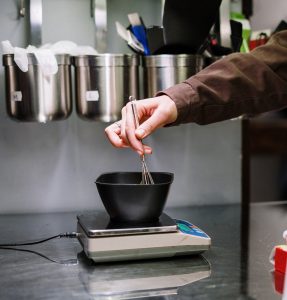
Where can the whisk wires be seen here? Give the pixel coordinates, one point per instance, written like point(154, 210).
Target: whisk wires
point(146, 176)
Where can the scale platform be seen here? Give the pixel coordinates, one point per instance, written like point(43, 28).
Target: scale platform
point(105, 241)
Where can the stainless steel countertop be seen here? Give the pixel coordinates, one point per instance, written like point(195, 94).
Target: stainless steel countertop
point(240, 267)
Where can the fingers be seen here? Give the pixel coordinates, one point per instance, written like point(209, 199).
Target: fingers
point(130, 128)
point(113, 132)
point(123, 127)
point(147, 149)
point(152, 113)
point(145, 108)
point(162, 111)
point(127, 130)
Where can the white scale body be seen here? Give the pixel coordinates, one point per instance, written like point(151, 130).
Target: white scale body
point(104, 241)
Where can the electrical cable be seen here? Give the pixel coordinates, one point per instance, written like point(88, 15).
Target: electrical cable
point(70, 235)
point(66, 262)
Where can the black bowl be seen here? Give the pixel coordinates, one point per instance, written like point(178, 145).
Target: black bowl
point(126, 200)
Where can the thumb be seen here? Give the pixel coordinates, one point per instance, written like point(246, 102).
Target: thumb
point(140, 133)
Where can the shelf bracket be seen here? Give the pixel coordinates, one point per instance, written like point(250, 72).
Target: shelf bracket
point(32, 10)
point(99, 15)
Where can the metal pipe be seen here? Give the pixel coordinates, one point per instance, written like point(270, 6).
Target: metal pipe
point(36, 20)
point(33, 10)
point(99, 14)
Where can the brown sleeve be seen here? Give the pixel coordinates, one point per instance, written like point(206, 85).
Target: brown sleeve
point(237, 84)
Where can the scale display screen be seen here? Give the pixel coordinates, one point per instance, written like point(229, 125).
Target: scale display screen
point(188, 228)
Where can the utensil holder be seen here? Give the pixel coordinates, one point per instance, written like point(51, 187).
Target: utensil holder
point(104, 83)
point(163, 71)
point(33, 97)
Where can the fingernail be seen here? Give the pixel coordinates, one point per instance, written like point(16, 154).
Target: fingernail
point(140, 133)
point(148, 151)
point(140, 153)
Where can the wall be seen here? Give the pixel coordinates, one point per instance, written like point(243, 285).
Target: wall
point(52, 167)
point(268, 14)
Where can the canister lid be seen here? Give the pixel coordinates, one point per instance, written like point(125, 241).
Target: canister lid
point(62, 59)
point(170, 60)
point(106, 60)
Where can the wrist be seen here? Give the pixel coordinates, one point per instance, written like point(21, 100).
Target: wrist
point(170, 108)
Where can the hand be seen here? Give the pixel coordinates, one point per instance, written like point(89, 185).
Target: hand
point(153, 113)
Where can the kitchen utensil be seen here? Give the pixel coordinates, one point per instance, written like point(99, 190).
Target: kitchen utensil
point(146, 176)
point(236, 35)
point(126, 200)
point(155, 39)
point(132, 41)
point(187, 24)
point(224, 26)
point(139, 31)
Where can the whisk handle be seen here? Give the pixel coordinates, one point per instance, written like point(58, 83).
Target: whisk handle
point(135, 112)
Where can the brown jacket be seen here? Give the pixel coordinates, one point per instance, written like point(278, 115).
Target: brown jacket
point(237, 84)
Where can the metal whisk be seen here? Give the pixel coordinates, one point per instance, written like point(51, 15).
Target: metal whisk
point(146, 176)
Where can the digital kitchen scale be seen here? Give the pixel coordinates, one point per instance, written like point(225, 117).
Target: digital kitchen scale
point(104, 241)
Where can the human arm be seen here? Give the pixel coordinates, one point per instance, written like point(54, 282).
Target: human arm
point(237, 84)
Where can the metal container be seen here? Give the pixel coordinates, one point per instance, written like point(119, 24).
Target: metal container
point(163, 71)
point(33, 97)
point(104, 83)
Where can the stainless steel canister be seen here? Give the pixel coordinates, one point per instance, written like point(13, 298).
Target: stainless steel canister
point(104, 83)
point(166, 70)
point(32, 96)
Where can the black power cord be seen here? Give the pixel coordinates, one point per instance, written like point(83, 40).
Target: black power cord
point(66, 262)
point(70, 235)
